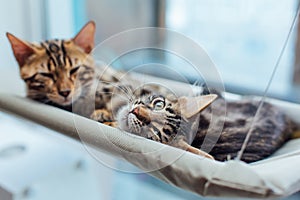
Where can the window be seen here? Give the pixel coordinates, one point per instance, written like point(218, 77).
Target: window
point(243, 38)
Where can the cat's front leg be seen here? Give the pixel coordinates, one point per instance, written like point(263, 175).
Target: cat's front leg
point(198, 152)
point(180, 142)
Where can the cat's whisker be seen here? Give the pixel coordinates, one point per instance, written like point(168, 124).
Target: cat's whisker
point(130, 99)
point(125, 89)
point(128, 91)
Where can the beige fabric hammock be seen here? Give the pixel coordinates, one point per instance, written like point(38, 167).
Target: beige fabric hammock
point(273, 177)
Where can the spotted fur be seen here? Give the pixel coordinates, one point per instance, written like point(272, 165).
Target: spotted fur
point(223, 140)
point(160, 119)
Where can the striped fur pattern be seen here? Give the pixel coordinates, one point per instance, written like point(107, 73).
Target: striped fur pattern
point(161, 119)
point(62, 72)
point(147, 112)
point(56, 71)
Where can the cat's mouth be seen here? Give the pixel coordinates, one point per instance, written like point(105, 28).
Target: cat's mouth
point(134, 124)
point(66, 102)
point(133, 120)
point(138, 118)
point(60, 100)
point(141, 125)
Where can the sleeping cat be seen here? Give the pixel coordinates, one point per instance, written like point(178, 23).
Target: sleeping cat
point(165, 120)
point(50, 68)
point(62, 73)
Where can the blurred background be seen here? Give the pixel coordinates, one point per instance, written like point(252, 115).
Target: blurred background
point(242, 38)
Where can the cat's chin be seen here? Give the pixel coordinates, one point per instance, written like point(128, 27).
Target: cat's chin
point(66, 103)
point(61, 101)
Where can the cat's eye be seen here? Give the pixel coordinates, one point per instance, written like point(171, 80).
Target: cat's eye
point(158, 105)
point(74, 70)
point(49, 75)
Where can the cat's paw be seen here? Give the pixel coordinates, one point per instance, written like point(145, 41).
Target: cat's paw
point(101, 115)
point(206, 155)
point(200, 152)
point(112, 124)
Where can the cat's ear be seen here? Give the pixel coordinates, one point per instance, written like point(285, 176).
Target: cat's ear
point(191, 106)
point(85, 37)
point(22, 50)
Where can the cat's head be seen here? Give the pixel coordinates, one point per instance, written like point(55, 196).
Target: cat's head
point(159, 118)
point(56, 70)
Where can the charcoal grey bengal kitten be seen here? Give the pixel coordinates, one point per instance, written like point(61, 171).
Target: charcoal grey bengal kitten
point(169, 121)
point(175, 121)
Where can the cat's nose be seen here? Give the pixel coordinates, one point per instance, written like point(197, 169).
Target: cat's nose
point(64, 93)
point(136, 111)
point(142, 114)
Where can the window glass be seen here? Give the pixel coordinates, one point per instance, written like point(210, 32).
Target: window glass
point(243, 38)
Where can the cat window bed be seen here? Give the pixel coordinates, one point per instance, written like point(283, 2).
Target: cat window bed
point(276, 176)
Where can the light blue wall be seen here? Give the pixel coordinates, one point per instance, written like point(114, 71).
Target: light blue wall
point(79, 13)
point(23, 19)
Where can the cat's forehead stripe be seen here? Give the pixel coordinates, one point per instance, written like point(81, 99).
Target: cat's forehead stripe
point(63, 48)
point(56, 51)
point(54, 48)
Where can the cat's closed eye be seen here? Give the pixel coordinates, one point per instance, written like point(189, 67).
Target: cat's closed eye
point(48, 75)
point(74, 70)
